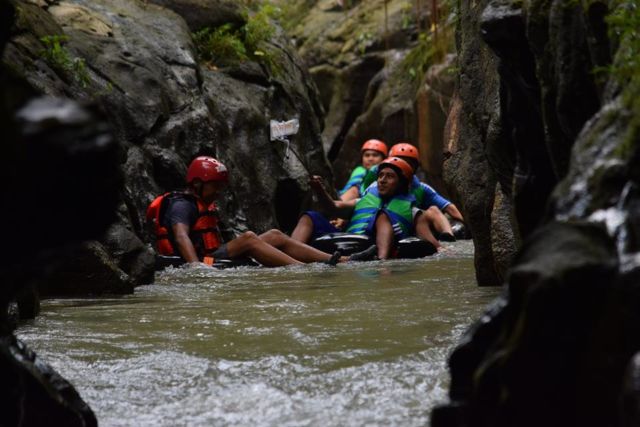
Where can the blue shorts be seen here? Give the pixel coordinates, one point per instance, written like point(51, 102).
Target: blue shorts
point(321, 224)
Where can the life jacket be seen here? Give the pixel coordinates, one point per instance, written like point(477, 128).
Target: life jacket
point(204, 234)
point(369, 178)
point(399, 209)
point(355, 179)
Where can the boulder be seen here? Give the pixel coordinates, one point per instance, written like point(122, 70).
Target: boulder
point(199, 14)
point(88, 269)
point(33, 394)
point(44, 209)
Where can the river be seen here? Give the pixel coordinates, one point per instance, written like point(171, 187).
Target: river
point(359, 344)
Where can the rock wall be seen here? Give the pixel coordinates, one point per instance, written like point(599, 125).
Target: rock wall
point(560, 346)
point(362, 65)
point(526, 87)
point(59, 165)
point(137, 62)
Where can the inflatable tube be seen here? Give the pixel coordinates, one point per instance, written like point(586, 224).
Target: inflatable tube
point(163, 262)
point(347, 243)
point(412, 247)
point(460, 231)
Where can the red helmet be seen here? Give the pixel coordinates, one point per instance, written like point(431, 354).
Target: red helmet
point(399, 165)
point(375, 144)
point(405, 150)
point(207, 169)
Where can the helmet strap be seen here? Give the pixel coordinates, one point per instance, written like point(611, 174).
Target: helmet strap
point(197, 187)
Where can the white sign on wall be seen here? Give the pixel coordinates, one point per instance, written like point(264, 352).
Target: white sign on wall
point(280, 130)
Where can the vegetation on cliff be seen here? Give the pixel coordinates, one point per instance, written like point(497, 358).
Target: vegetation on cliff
point(228, 45)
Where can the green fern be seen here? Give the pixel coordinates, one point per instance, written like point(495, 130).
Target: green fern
point(59, 58)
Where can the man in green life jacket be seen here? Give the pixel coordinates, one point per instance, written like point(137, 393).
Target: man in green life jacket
point(386, 212)
point(313, 224)
point(432, 204)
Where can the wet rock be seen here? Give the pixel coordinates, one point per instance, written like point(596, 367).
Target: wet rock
point(205, 13)
point(467, 171)
point(131, 255)
point(524, 366)
point(388, 115)
point(33, 394)
point(504, 242)
point(88, 269)
point(44, 210)
point(349, 89)
point(432, 105)
point(630, 405)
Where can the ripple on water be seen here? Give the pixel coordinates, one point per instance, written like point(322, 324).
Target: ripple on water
point(275, 390)
point(360, 344)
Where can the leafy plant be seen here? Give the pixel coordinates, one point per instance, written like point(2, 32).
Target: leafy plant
point(624, 27)
point(259, 28)
point(363, 41)
point(433, 44)
point(227, 45)
point(222, 45)
point(58, 57)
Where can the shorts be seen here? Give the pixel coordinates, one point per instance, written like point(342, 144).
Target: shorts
point(321, 224)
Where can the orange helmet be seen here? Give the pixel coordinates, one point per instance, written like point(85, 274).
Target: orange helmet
point(405, 150)
point(375, 144)
point(400, 166)
point(207, 169)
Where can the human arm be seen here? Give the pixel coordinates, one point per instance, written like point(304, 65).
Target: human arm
point(327, 203)
point(184, 245)
point(453, 211)
point(350, 194)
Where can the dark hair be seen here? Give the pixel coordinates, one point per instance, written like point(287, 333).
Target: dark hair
point(403, 188)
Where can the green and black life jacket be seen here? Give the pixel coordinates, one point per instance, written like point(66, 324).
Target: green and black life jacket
point(355, 179)
point(399, 209)
point(417, 190)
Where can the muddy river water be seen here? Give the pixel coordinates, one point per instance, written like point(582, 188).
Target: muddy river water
point(359, 344)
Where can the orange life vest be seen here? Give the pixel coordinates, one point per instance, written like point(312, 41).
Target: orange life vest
point(204, 234)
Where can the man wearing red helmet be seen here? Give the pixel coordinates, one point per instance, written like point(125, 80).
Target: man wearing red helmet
point(386, 213)
point(186, 225)
point(427, 199)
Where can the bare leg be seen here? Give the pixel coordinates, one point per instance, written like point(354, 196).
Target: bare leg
point(250, 244)
point(384, 236)
point(303, 230)
point(423, 230)
point(298, 250)
point(438, 220)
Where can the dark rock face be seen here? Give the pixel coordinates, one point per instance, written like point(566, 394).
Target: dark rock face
point(59, 186)
point(33, 394)
point(558, 348)
point(538, 91)
point(204, 13)
point(368, 90)
point(165, 109)
point(473, 125)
